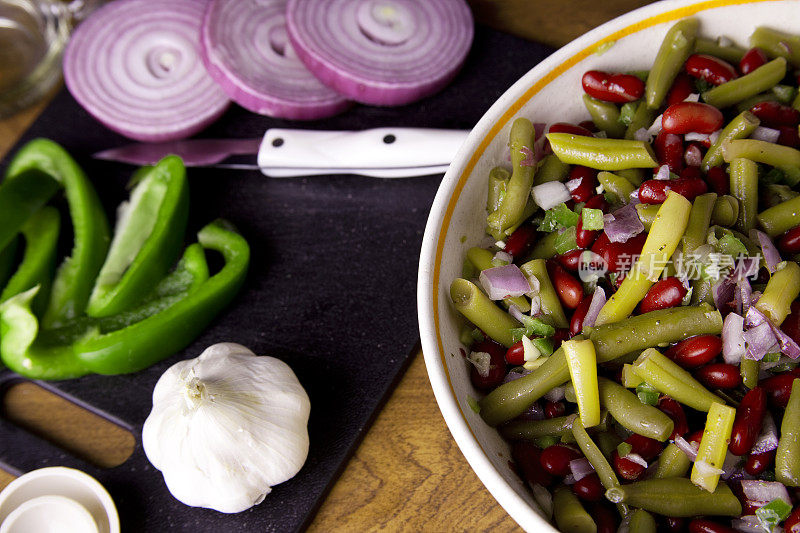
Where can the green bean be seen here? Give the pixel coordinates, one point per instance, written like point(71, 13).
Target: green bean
point(699, 220)
point(630, 413)
point(642, 522)
point(672, 463)
point(713, 445)
point(607, 441)
point(598, 461)
point(777, 44)
point(545, 248)
point(776, 193)
point(734, 91)
point(661, 242)
point(498, 180)
point(534, 429)
point(780, 218)
point(471, 302)
point(731, 52)
point(634, 175)
point(582, 364)
point(642, 118)
point(702, 292)
point(616, 185)
point(739, 128)
point(550, 304)
point(605, 116)
point(669, 378)
point(749, 369)
point(781, 290)
point(726, 211)
point(481, 259)
point(530, 209)
point(602, 154)
point(570, 514)
point(647, 214)
point(772, 154)
point(744, 187)
point(787, 456)
point(519, 185)
point(550, 169)
point(675, 49)
point(677, 496)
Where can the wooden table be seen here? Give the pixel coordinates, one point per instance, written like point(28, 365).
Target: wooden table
point(407, 474)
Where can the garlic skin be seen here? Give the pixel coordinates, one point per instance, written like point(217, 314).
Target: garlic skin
point(227, 426)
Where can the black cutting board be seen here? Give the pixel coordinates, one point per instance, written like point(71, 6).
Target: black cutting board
point(331, 291)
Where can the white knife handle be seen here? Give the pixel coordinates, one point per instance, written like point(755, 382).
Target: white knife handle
point(379, 148)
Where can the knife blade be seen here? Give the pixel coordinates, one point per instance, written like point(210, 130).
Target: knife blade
point(379, 152)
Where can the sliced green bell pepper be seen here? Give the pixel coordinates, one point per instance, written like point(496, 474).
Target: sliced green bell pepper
point(20, 198)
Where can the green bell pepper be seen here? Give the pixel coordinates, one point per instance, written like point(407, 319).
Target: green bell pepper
point(20, 198)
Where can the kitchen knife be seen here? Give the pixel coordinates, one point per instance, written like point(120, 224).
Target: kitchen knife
point(378, 152)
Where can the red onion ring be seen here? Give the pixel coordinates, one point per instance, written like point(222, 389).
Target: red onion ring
point(246, 50)
point(381, 52)
point(134, 65)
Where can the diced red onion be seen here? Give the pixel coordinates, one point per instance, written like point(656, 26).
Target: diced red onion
point(555, 394)
point(534, 283)
point(690, 449)
point(504, 256)
point(765, 134)
point(636, 458)
point(580, 468)
point(663, 173)
point(693, 97)
point(515, 374)
point(748, 524)
point(694, 136)
point(550, 194)
point(247, 51)
point(772, 256)
point(529, 160)
point(536, 305)
point(714, 136)
point(758, 340)
point(387, 52)
point(733, 339)
point(743, 295)
point(754, 317)
point(642, 134)
point(788, 346)
point(729, 465)
point(765, 491)
point(633, 199)
point(504, 282)
point(135, 66)
point(573, 184)
point(654, 128)
point(569, 479)
point(757, 319)
point(534, 412)
point(723, 291)
point(706, 468)
point(482, 362)
point(515, 312)
point(623, 224)
point(693, 156)
point(597, 303)
point(768, 438)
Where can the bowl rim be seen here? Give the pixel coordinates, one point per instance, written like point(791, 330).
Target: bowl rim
point(443, 207)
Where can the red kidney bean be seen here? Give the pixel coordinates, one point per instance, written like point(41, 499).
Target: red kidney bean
point(569, 289)
point(554, 409)
point(686, 117)
point(774, 114)
point(588, 125)
point(618, 255)
point(758, 462)
point(792, 523)
point(617, 88)
point(655, 191)
point(516, 354)
point(585, 189)
point(669, 150)
point(497, 366)
point(754, 58)
point(788, 136)
point(560, 336)
point(778, 388)
point(719, 376)
point(691, 173)
point(702, 525)
point(695, 351)
point(526, 457)
point(719, 181)
point(555, 459)
point(709, 68)
point(674, 524)
point(566, 127)
point(675, 411)
point(585, 237)
point(570, 260)
point(644, 446)
point(519, 242)
point(576, 321)
point(791, 325)
point(625, 468)
point(666, 293)
point(589, 488)
point(747, 424)
point(605, 518)
point(693, 155)
point(681, 88)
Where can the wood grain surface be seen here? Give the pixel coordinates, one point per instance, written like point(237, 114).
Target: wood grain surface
point(407, 474)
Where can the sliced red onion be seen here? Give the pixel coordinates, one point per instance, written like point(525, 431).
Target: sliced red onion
point(555, 394)
point(693, 156)
point(743, 295)
point(758, 340)
point(690, 449)
point(663, 173)
point(382, 52)
point(623, 224)
point(247, 51)
point(787, 344)
point(757, 319)
point(504, 282)
point(733, 339)
point(723, 291)
point(772, 256)
point(134, 65)
point(597, 303)
point(550, 194)
point(482, 362)
point(580, 468)
point(636, 458)
point(765, 134)
point(765, 491)
point(768, 438)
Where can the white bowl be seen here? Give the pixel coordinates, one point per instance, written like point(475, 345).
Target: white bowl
point(49, 513)
point(61, 490)
point(549, 93)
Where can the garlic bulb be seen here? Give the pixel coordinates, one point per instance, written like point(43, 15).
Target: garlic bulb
point(227, 426)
